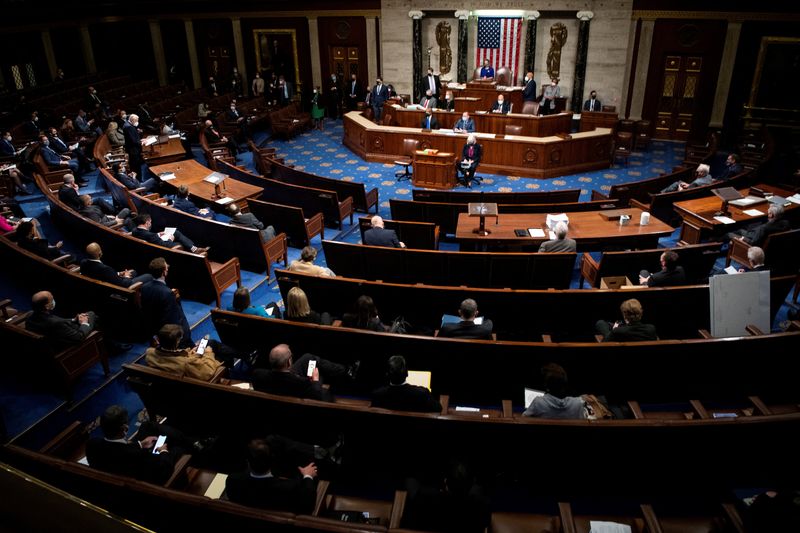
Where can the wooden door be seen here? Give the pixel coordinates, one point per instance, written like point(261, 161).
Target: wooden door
point(343, 61)
point(678, 101)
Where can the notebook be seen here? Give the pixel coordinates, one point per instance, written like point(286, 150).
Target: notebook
point(530, 395)
point(217, 487)
point(421, 378)
point(536, 232)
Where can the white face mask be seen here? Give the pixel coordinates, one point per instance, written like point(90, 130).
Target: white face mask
point(500, 102)
point(53, 304)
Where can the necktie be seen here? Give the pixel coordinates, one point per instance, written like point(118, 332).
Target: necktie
point(428, 122)
point(470, 152)
point(592, 107)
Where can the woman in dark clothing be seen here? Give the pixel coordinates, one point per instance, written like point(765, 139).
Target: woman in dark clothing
point(28, 239)
point(365, 317)
point(299, 310)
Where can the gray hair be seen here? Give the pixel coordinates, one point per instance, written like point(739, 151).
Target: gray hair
point(472, 139)
point(775, 210)
point(279, 357)
point(755, 255)
point(377, 222)
point(704, 168)
point(561, 230)
point(468, 309)
point(69, 179)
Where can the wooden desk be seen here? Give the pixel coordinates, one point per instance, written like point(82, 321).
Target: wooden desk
point(698, 215)
point(535, 157)
point(191, 173)
point(532, 125)
point(436, 171)
point(160, 154)
point(485, 93)
point(588, 228)
point(598, 119)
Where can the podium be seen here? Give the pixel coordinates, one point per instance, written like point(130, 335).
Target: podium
point(598, 119)
point(482, 210)
point(434, 169)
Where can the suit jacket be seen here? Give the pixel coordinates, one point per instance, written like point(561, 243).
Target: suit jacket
point(58, 145)
point(379, 96)
point(468, 126)
point(381, 237)
point(152, 238)
point(160, 307)
point(633, 332)
point(95, 214)
point(756, 235)
point(129, 459)
point(133, 142)
point(434, 123)
point(503, 109)
point(7, 148)
point(50, 156)
point(289, 384)
point(230, 116)
point(59, 332)
point(476, 153)
point(293, 495)
point(185, 363)
point(128, 181)
point(187, 206)
point(529, 92)
point(428, 103)
point(101, 271)
point(467, 330)
point(667, 278)
point(425, 85)
point(212, 137)
point(559, 245)
point(405, 398)
point(598, 105)
point(247, 220)
point(115, 138)
point(354, 88)
point(730, 171)
point(39, 247)
point(282, 94)
point(69, 196)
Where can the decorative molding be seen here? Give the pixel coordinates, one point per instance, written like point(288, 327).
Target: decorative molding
point(532, 15)
point(733, 16)
point(462, 14)
point(585, 15)
point(416, 14)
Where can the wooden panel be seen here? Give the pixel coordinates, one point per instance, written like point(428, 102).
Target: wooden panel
point(532, 126)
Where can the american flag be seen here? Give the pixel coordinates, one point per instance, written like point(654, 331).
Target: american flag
point(498, 41)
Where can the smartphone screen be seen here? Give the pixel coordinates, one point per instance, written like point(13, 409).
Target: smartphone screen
point(312, 364)
point(162, 439)
point(201, 348)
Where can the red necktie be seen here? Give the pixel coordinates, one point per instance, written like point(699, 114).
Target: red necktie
point(470, 152)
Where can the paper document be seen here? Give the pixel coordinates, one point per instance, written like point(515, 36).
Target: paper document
point(551, 235)
point(552, 220)
point(73, 146)
point(747, 200)
point(725, 220)
point(752, 212)
point(215, 177)
point(167, 233)
point(174, 135)
point(777, 200)
point(597, 526)
point(724, 415)
point(536, 233)
point(224, 201)
point(420, 378)
point(731, 270)
point(150, 140)
point(795, 198)
point(217, 487)
point(530, 395)
point(83, 461)
point(462, 409)
point(166, 176)
point(245, 386)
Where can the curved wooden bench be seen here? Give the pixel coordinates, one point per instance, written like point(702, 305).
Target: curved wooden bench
point(521, 197)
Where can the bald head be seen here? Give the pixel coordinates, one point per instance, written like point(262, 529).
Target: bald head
point(93, 250)
point(377, 222)
point(85, 199)
point(280, 358)
point(41, 301)
point(69, 179)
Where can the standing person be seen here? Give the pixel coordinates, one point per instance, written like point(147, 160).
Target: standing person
point(258, 86)
point(529, 92)
point(551, 92)
point(430, 82)
point(355, 93)
point(236, 82)
point(334, 98)
point(285, 91)
point(378, 97)
point(133, 144)
point(317, 109)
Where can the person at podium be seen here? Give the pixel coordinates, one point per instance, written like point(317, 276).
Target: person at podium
point(501, 106)
point(593, 104)
point(487, 72)
point(465, 124)
point(470, 159)
point(429, 122)
point(549, 95)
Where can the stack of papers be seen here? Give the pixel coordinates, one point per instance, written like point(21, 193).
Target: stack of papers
point(462, 409)
point(536, 233)
point(167, 233)
point(795, 198)
point(215, 178)
point(245, 385)
point(420, 378)
point(552, 220)
point(150, 140)
point(731, 270)
point(217, 487)
point(752, 212)
point(166, 176)
point(597, 526)
point(225, 200)
point(530, 395)
point(725, 220)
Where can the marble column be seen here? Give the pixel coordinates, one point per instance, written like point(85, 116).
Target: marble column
point(313, 42)
point(192, 47)
point(642, 66)
point(463, 18)
point(725, 74)
point(238, 47)
point(158, 52)
point(580, 59)
point(416, 43)
point(49, 54)
point(88, 52)
point(530, 43)
point(372, 52)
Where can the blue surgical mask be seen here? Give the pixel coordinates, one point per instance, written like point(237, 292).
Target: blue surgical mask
point(47, 143)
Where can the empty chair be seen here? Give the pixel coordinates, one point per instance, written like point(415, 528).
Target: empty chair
point(623, 145)
point(409, 147)
point(626, 125)
point(642, 131)
point(530, 108)
point(504, 76)
point(609, 108)
point(512, 129)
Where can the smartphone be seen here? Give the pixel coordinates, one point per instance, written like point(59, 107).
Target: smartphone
point(162, 439)
point(312, 364)
point(201, 348)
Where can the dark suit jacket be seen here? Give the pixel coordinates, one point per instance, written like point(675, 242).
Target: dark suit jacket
point(378, 98)
point(447, 105)
point(289, 384)
point(424, 85)
point(39, 247)
point(247, 220)
point(129, 460)
point(559, 245)
point(758, 234)
point(69, 196)
point(434, 123)
point(7, 148)
point(51, 157)
point(632, 332)
point(133, 142)
point(504, 109)
point(160, 307)
point(212, 137)
point(94, 213)
point(405, 398)
point(381, 237)
point(529, 92)
point(101, 271)
point(60, 332)
point(187, 206)
point(477, 153)
point(152, 238)
point(598, 105)
point(468, 330)
point(128, 181)
point(58, 145)
point(230, 116)
point(293, 495)
point(666, 278)
point(730, 171)
point(358, 92)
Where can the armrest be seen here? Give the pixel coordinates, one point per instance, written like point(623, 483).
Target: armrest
point(547, 338)
point(653, 525)
point(699, 409)
point(508, 408)
point(398, 508)
point(336, 323)
point(760, 406)
point(372, 199)
point(4, 305)
point(221, 372)
point(136, 286)
point(567, 521)
point(139, 190)
point(598, 338)
point(753, 330)
point(704, 334)
point(589, 269)
point(61, 259)
point(597, 195)
point(636, 409)
point(322, 491)
point(638, 204)
point(178, 470)
point(444, 400)
point(733, 517)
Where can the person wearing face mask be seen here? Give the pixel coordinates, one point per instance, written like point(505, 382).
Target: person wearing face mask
point(430, 82)
point(465, 124)
point(428, 101)
point(355, 93)
point(28, 238)
point(236, 82)
point(31, 127)
point(549, 95)
point(449, 103)
point(378, 97)
point(234, 116)
point(55, 161)
point(6, 146)
point(59, 332)
point(500, 106)
point(334, 98)
point(133, 143)
point(285, 91)
point(93, 100)
point(529, 92)
point(592, 104)
point(258, 86)
point(317, 108)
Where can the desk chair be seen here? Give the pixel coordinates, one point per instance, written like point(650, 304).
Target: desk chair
point(409, 147)
point(461, 177)
point(623, 146)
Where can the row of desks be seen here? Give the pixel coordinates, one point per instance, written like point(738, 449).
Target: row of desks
point(532, 125)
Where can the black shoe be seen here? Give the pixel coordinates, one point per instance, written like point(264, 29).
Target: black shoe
point(23, 192)
point(204, 445)
point(82, 183)
point(335, 452)
point(352, 371)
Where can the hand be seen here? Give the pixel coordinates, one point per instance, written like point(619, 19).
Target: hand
point(132, 174)
point(402, 244)
point(83, 318)
point(315, 374)
point(616, 325)
point(643, 280)
point(127, 273)
point(59, 244)
point(308, 470)
point(163, 449)
point(148, 442)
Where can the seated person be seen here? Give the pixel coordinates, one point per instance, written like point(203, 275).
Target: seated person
point(702, 177)
point(183, 203)
point(555, 403)
point(500, 106)
point(671, 273)
point(467, 328)
point(259, 487)
point(144, 224)
point(212, 136)
point(561, 243)
point(757, 233)
point(68, 195)
point(7, 148)
point(470, 159)
point(62, 148)
point(449, 103)
point(487, 71)
point(429, 122)
point(299, 310)
point(94, 267)
point(465, 124)
point(241, 304)
point(55, 161)
point(630, 329)
point(593, 104)
point(732, 167)
point(400, 395)
point(129, 179)
point(27, 238)
point(97, 214)
point(114, 135)
point(755, 258)
point(185, 362)
point(365, 316)
point(59, 332)
point(377, 235)
point(306, 263)
point(289, 378)
point(428, 101)
point(249, 220)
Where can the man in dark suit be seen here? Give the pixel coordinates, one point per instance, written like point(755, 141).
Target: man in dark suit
point(159, 305)
point(401, 396)
point(593, 104)
point(470, 159)
point(144, 223)
point(755, 256)
point(291, 379)
point(430, 83)
point(285, 91)
point(732, 167)
point(467, 328)
point(211, 87)
point(529, 92)
point(671, 273)
point(68, 193)
point(100, 215)
point(183, 203)
point(429, 122)
point(7, 148)
point(756, 234)
point(133, 143)
point(214, 137)
point(130, 180)
point(355, 93)
point(378, 97)
point(31, 127)
point(59, 332)
point(94, 267)
point(561, 243)
point(428, 101)
point(380, 236)
point(465, 124)
point(630, 329)
point(62, 148)
point(93, 99)
point(500, 106)
point(54, 160)
point(334, 94)
point(234, 115)
point(249, 220)
point(259, 487)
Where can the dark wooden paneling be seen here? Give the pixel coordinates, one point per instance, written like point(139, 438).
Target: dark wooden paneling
point(331, 33)
point(123, 47)
point(214, 38)
point(67, 47)
point(176, 50)
point(300, 25)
